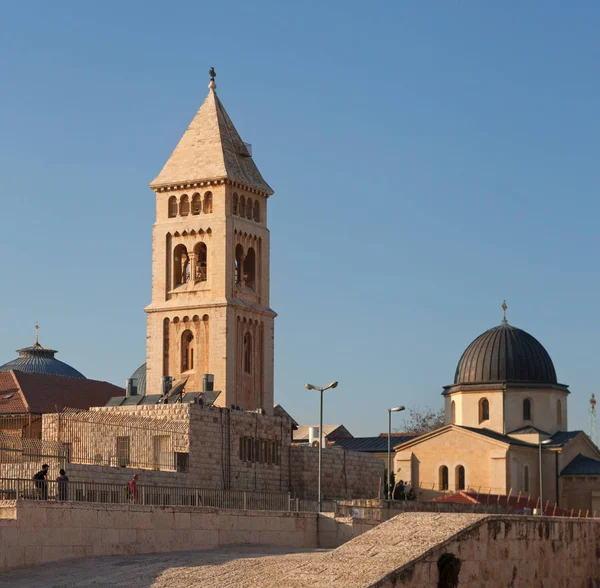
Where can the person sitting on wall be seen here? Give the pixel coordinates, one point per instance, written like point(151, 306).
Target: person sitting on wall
point(41, 482)
point(61, 484)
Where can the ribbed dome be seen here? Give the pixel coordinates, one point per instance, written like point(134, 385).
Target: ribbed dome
point(38, 359)
point(140, 379)
point(505, 354)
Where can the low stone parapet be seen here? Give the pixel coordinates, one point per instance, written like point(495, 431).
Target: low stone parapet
point(382, 510)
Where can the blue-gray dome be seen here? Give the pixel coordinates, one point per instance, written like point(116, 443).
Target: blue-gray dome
point(139, 378)
point(505, 354)
point(39, 360)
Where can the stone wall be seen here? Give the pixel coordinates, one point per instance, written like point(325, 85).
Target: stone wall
point(502, 551)
point(346, 474)
point(32, 533)
point(218, 459)
point(382, 510)
point(335, 531)
point(227, 449)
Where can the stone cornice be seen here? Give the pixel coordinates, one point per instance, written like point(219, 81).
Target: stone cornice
point(504, 387)
point(188, 308)
point(207, 183)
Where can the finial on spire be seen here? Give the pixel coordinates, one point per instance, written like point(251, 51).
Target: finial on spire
point(504, 307)
point(213, 74)
point(37, 334)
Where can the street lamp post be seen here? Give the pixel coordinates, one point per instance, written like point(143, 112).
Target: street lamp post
point(546, 442)
point(321, 389)
point(389, 472)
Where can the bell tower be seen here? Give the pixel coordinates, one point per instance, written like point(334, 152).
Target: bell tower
point(210, 308)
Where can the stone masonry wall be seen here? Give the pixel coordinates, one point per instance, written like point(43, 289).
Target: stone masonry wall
point(504, 550)
point(33, 533)
point(228, 449)
point(346, 474)
point(212, 438)
point(216, 455)
point(382, 510)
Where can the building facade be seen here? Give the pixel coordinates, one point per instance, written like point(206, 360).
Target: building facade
point(210, 308)
point(506, 416)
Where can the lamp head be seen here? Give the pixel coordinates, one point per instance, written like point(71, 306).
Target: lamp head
point(333, 385)
point(309, 386)
point(396, 408)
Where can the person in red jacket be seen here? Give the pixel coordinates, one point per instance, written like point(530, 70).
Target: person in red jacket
point(133, 489)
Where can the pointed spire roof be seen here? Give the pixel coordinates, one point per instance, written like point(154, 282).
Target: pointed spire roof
point(211, 149)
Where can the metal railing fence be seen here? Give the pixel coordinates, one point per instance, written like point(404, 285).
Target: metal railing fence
point(109, 493)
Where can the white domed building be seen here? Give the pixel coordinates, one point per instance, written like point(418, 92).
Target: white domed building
point(505, 408)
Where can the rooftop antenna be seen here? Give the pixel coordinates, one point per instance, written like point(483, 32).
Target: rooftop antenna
point(593, 429)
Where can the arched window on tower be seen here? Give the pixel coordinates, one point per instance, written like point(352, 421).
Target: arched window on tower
point(250, 269)
point(201, 262)
point(239, 256)
point(453, 412)
point(443, 478)
point(242, 206)
point(526, 478)
point(484, 410)
point(187, 351)
point(207, 208)
point(181, 265)
point(184, 206)
point(559, 413)
point(460, 477)
point(172, 206)
point(256, 211)
point(249, 210)
point(526, 409)
point(248, 353)
point(234, 204)
point(196, 204)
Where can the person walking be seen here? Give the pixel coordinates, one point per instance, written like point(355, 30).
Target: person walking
point(62, 486)
point(41, 482)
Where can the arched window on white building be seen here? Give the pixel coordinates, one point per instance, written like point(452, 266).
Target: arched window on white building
point(443, 478)
point(460, 477)
point(484, 410)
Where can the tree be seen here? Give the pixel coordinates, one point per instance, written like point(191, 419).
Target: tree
point(421, 421)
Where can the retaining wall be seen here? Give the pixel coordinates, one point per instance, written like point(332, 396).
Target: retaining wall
point(516, 551)
point(32, 533)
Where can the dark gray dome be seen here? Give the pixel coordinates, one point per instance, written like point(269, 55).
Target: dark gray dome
point(505, 354)
point(39, 360)
point(139, 377)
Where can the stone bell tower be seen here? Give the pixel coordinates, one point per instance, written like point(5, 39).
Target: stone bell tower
point(210, 266)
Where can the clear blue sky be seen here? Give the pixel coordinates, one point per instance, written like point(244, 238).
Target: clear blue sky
point(429, 160)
